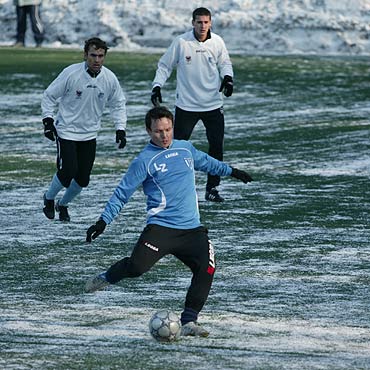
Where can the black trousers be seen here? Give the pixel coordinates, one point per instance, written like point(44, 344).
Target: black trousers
point(214, 123)
point(34, 12)
point(192, 247)
point(75, 160)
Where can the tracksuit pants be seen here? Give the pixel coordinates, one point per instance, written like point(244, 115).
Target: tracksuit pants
point(192, 247)
point(37, 28)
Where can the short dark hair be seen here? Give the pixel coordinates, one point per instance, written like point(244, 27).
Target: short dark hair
point(157, 113)
point(201, 11)
point(97, 43)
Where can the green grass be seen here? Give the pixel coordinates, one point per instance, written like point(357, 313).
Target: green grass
point(291, 289)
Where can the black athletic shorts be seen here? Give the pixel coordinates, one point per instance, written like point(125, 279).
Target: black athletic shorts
point(75, 160)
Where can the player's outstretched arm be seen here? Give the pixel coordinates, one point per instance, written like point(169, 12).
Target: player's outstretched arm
point(95, 230)
point(241, 175)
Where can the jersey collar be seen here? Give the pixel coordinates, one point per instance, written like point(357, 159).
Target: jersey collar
point(90, 72)
point(160, 147)
point(207, 38)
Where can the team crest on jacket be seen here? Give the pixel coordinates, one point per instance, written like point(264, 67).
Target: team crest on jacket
point(189, 162)
point(78, 94)
point(188, 59)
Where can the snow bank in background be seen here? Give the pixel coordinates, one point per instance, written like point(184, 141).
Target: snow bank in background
point(248, 26)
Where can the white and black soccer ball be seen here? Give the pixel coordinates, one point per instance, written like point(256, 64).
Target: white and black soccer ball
point(165, 326)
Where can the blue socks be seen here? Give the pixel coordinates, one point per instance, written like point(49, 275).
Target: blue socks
point(56, 186)
point(72, 191)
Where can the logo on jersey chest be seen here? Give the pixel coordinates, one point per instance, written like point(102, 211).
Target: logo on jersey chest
point(189, 162)
point(162, 167)
point(174, 154)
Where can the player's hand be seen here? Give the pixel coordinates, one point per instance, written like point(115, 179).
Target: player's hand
point(241, 175)
point(227, 86)
point(156, 97)
point(49, 128)
point(95, 230)
point(121, 138)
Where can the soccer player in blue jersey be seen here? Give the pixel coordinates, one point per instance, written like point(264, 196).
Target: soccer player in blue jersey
point(165, 169)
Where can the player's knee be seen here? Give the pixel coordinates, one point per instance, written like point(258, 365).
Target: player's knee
point(65, 180)
point(66, 175)
point(136, 270)
point(83, 184)
point(83, 181)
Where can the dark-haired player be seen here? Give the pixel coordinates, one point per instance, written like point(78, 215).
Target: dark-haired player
point(81, 92)
point(165, 169)
point(204, 70)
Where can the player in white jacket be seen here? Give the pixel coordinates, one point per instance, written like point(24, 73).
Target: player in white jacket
point(81, 92)
point(204, 70)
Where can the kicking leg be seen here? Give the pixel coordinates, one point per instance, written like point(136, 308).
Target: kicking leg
point(147, 251)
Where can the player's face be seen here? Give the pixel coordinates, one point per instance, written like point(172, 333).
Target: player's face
point(202, 25)
point(161, 132)
point(95, 58)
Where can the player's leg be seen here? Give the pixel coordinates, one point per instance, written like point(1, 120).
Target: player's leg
point(21, 25)
point(214, 123)
point(152, 245)
point(184, 123)
point(66, 161)
point(85, 157)
point(66, 167)
point(37, 27)
point(68, 170)
point(197, 253)
point(147, 251)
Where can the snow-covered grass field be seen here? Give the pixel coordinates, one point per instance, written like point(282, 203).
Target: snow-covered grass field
point(292, 286)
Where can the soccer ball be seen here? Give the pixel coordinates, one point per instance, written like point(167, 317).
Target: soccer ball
point(165, 326)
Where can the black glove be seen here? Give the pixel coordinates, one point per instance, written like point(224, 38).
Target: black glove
point(227, 86)
point(49, 130)
point(95, 230)
point(241, 175)
point(156, 97)
point(121, 138)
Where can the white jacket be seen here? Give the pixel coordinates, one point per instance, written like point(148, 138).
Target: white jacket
point(82, 99)
point(199, 68)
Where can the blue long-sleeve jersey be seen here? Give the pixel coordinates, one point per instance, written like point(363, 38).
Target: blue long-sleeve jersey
point(168, 180)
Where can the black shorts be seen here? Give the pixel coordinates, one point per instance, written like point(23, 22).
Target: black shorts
point(75, 160)
point(192, 247)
